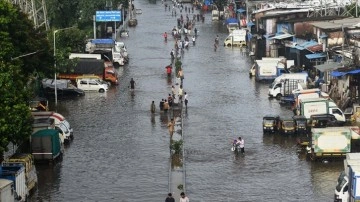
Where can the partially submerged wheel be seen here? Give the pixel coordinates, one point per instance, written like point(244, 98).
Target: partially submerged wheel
point(101, 90)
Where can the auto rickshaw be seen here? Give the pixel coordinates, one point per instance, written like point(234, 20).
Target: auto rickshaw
point(323, 121)
point(300, 124)
point(287, 126)
point(270, 123)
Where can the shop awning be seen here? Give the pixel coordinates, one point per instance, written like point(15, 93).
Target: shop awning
point(315, 56)
point(282, 36)
point(328, 66)
point(338, 74)
point(232, 20)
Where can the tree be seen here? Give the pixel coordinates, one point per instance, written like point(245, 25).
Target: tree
point(24, 50)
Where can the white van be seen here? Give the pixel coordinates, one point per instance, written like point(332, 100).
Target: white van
point(275, 87)
point(91, 85)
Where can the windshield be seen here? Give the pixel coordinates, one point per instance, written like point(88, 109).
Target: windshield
point(64, 128)
point(268, 122)
point(301, 123)
point(67, 124)
point(272, 84)
point(288, 124)
point(340, 184)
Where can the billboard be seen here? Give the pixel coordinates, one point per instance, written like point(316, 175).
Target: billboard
point(108, 16)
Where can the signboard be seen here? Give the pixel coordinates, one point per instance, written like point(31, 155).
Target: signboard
point(108, 16)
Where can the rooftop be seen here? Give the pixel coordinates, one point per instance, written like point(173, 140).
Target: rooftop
point(337, 24)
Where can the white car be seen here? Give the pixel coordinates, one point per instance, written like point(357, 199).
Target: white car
point(64, 131)
point(92, 85)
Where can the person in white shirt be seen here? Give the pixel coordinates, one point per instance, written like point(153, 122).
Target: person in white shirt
point(186, 99)
point(183, 198)
point(241, 144)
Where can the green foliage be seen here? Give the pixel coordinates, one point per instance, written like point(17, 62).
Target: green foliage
point(220, 4)
point(180, 187)
point(67, 13)
point(24, 51)
point(15, 116)
point(18, 38)
point(178, 64)
point(176, 146)
point(352, 9)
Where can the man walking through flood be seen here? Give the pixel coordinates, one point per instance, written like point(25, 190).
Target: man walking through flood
point(241, 144)
point(152, 107)
point(132, 84)
point(171, 126)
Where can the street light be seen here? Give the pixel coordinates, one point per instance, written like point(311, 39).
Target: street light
point(55, 31)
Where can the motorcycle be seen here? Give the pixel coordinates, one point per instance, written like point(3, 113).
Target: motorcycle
point(235, 147)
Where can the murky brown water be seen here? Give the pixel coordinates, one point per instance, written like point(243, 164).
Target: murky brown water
point(121, 153)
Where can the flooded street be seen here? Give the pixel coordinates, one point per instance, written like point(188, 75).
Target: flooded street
point(121, 152)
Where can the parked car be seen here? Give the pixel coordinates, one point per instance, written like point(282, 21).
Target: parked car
point(87, 84)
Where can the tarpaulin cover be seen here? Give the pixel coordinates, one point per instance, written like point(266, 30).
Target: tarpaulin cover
point(338, 74)
point(240, 10)
point(102, 41)
point(232, 20)
point(249, 24)
point(303, 46)
point(315, 56)
point(88, 66)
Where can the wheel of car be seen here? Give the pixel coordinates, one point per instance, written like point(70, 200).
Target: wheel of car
point(101, 90)
point(278, 96)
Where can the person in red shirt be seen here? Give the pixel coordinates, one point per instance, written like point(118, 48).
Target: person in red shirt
point(165, 36)
point(168, 70)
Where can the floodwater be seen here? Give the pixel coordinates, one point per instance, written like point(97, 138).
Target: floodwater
point(121, 152)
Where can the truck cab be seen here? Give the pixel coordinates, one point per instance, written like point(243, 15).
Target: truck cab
point(342, 188)
point(215, 15)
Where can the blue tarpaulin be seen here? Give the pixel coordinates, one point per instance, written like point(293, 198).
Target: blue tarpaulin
point(232, 20)
point(102, 41)
point(315, 56)
point(240, 10)
point(305, 45)
point(208, 2)
point(338, 74)
point(249, 24)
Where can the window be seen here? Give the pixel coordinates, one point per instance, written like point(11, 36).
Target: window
point(336, 111)
point(93, 83)
point(83, 82)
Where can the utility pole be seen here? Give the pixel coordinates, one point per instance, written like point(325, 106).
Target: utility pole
point(55, 31)
point(35, 9)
